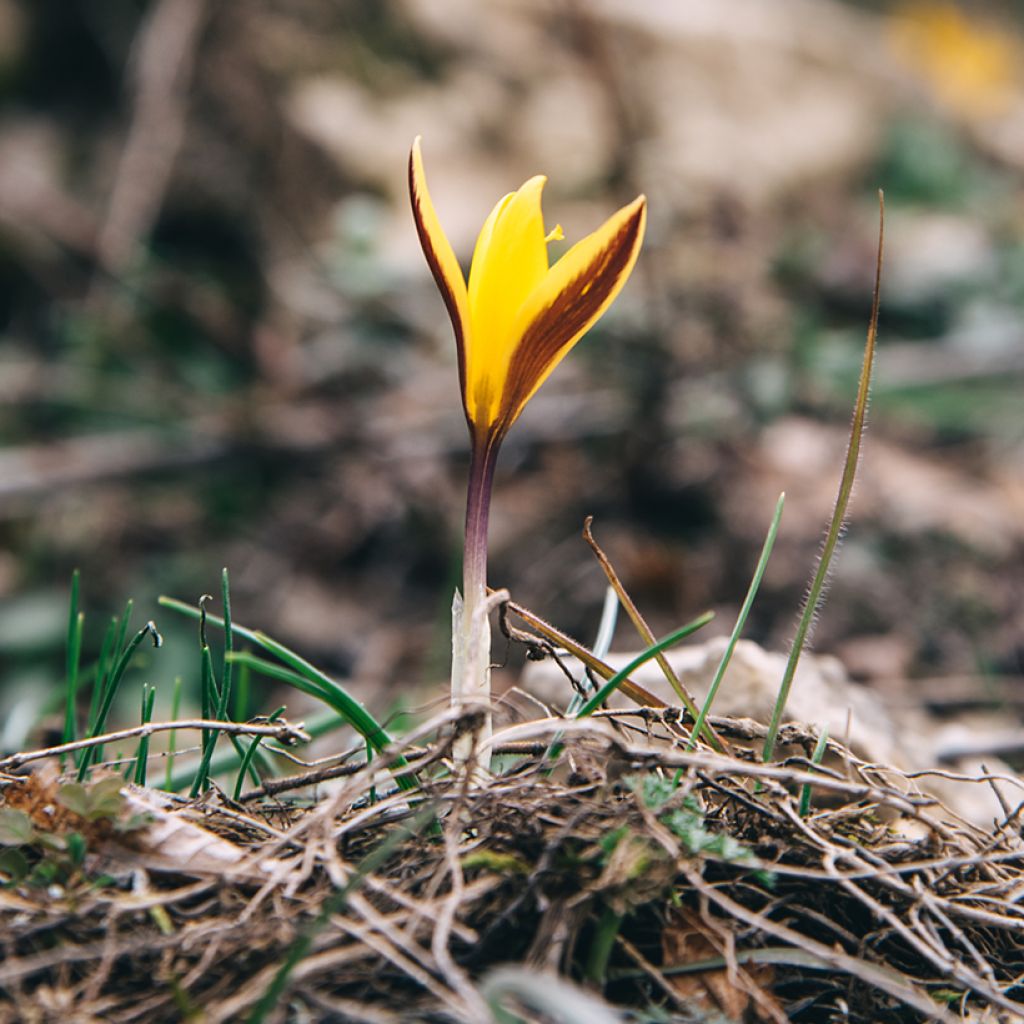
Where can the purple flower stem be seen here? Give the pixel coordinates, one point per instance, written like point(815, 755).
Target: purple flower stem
point(478, 506)
point(471, 640)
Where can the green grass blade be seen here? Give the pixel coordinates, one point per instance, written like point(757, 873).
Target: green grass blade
point(113, 644)
point(76, 623)
point(220, 699)
point(220, 712)
point(110, 691)
point(652, 652)
point(210, 709)
point(601, 944)
point(242, 695)
point(172, 736)
point(207, 698)
point(250, 761)
point(99, 681)
point(347, 707)
point(741, 621)
point(227, 675)
point(325, 688)
point(142, 753)
point(333, 696)
point(816, 758)
point(224, 761)
point(123, 623)
point(247, 758)
point(835, 529)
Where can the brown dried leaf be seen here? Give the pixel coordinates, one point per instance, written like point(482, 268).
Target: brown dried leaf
point(686, 939)
point(170, 842)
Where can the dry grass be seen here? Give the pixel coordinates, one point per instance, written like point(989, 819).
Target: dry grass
point(876, 907)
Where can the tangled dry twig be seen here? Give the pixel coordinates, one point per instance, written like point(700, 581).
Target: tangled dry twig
point(877, 902)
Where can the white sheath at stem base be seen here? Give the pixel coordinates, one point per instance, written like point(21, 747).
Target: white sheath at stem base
point(471, 670)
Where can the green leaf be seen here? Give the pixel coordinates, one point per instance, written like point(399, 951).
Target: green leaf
point(44, 873)
point(610, 840)
point(105, 798)
point(77, 847)
point(816, 591)
point(52, 841)
point(75, 797)
point(16, 828)
point(741, 621)
point(653, 789)
point(102, 799)
point(134, 823)
point(14, 864)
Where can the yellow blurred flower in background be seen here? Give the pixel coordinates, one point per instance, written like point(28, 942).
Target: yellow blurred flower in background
point(971, 64)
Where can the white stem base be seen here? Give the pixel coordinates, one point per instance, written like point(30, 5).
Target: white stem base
point(471, 669)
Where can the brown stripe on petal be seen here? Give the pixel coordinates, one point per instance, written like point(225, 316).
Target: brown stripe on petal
point(572, 312)
point(444, 286)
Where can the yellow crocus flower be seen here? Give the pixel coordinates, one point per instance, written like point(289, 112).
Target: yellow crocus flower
point(514, 322)
point(518, 316)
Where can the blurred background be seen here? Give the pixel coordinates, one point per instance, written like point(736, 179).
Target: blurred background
point(220, 345)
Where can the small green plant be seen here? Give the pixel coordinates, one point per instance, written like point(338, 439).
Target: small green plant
point(29, 856)
point(33, 854)
point(636, 868)
point(686, 820)
point(99, 801)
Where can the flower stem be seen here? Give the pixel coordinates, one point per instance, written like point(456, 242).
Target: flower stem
point(478, 506)
point(471, 634)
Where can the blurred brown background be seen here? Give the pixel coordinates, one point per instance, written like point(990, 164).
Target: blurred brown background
point(219, 344)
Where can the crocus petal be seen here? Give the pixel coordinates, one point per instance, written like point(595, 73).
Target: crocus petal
point(440, 257)
point(566, 303)
point(509, 262)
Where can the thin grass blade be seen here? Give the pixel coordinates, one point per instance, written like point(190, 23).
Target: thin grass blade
point(652, 652)
point(76, 623)
point(210, 710)
point(110, 691)
point(250, 753)
point(225, 760)
point(142, 753)
point(322, 685)
point(99, 681)
point(347, 707)
point(741, 620)
point(835, 529)
point(227, 675)
point(816, 758)
point(172, 736)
